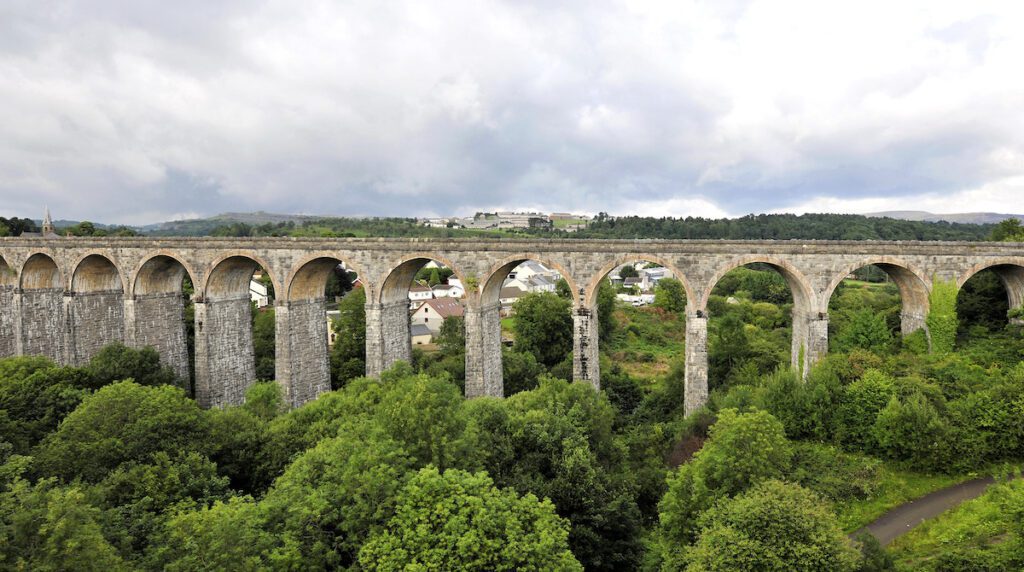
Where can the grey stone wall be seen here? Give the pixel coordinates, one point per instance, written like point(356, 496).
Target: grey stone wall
point(483, 351)
point(225, 367)
point(95, 319)
point(302, 361)
point(9, 314)
point(42, 323)
point(160, 323)
point(813, 268)
point(696, 382)
point(586, 366)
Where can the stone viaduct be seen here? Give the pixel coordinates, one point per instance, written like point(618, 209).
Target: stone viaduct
point(67, 297)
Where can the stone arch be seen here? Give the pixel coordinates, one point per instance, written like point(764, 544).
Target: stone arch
point(229, 275)
point(8, 310)
point(161, 273)
point(1010, 271)
point(799, 285)
point(395, 285)
point(159, 310)
point(691, 298)
point(308, 277)
point(96, 308)
point(496, 275)
point(809, 323)
point(913, 284)
point(95, 272)
point(42, 308)
point(40, 272)
point(8, 276)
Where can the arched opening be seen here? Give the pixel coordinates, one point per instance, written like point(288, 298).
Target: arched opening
point(760, 317)
point(525, 322)
point(42, 308)
point(422, 318)
point(165, 314)
point(989, 301)
point(875, 307)
point(325, 325)
point(8, 311)
point(641, 306)
point(96, 310)
point(235, 331)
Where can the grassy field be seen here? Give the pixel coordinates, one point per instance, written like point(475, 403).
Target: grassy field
point(976, 525)
point(896, 486)
point(646, 341)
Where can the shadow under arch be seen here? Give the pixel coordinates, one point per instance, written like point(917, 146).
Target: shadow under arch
point(913, 284)
point(8, 310)
point(1009, 271)
point(96, 308)
point(161, 320)
point(303, 329)
point(224, 354)
point(42, 308)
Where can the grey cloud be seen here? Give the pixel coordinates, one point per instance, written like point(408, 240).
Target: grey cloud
point(125, 110)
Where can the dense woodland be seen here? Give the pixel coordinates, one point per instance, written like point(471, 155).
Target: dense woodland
point(113, 466)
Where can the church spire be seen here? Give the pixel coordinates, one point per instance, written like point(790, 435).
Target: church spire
point(47, 223)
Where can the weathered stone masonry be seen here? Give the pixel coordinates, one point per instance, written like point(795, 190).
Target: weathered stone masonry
point(65, 298)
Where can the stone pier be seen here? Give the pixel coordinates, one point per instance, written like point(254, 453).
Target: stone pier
point(159, 321)
point(225, 367)
point(387, 335)
point(95, 319)
point(696, 382)
point(483, 351)
point(43, 323)
point(10, 312)
point(586, 366)
point(302, 362)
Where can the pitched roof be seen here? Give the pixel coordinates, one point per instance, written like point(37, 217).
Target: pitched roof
point(419, 330)
point(631, 281)
point(445, 307)
point(419, 288)
point(510, 292)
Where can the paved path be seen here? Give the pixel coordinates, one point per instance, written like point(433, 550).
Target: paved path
point(905, 517)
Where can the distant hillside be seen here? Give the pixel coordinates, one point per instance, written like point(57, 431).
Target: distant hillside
point(203, 226)
point(967, 218)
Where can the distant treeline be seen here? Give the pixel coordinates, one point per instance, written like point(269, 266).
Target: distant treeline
point(782, 226)
point(752, 227)
point(14, 226)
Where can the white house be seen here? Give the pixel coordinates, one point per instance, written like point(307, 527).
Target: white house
point(650, 276)
point(508, 297)
point(433, 312)
point(332, 336)
point(448, 291)
point(419, 293)
point(259, 293)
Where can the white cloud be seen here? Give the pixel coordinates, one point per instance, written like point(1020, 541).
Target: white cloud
point(658, 108)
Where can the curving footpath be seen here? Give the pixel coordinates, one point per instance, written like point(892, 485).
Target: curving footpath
point(907, 516)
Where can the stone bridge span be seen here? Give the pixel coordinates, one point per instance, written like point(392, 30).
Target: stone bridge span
point(67, 297)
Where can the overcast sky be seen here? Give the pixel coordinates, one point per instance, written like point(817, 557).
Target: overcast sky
point(136, 111)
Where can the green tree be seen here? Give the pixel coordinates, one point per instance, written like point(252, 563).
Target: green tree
point(118, 362)
point(452, 337)
point(743, 449)
point(327, 503)
point(263, 344)
point(605, 311)
point(461, 521)
point(119, 423)
point(49, 528)
point(1008, 230)
point(562, 289)
point(520, 371)
point(543, 327)
point(774, 526)
point(225, 536)
point(35, 395)
point(628, 271)
point(348, 355)
point(859, 406)
point(942, 319)
point(670, 295)
point(865, 329)
point(912, 430)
